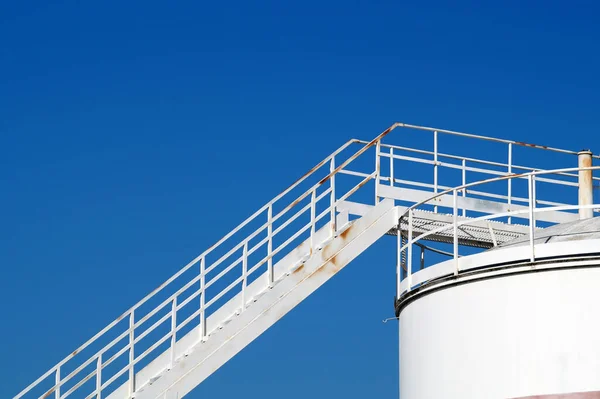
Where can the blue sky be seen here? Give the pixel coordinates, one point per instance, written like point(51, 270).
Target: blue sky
point(134, 135)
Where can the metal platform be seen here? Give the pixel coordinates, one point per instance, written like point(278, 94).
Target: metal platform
point(475, 233)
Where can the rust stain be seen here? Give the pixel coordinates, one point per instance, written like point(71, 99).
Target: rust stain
point(298, 269)
point(325, 253)
point(48, 393)
point(76, 351)
point(522, 143)
point(334, 262)
point(314, 168)
point(330, 267)
point(344, 234)
point(296, 201)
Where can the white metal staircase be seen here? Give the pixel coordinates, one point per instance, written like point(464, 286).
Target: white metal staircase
point(184, 330)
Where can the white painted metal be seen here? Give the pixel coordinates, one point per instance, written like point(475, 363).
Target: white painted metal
point(586, 189)
point(512, 336)
point(231, 300)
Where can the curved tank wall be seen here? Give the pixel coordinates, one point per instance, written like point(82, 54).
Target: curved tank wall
point(532, 333)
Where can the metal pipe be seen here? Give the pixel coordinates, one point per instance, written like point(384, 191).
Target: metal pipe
point(131, 376)
point(531, 216)
point(203, 329)
point(270, 275)
point(410, 245)
point(173, 330)
point(377, 170)
point(455, 229)
point(586, 196)
point(244, 276)
point(392, 167)
point(435, 166)
point(398, 260)
point(57, 383)
point(332, 199)
point(99, 377)
point(509, 181)
point(312, 220)
point(464, 181)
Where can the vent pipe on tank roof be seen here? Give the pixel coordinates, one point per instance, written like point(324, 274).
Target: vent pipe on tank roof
point(585, 184)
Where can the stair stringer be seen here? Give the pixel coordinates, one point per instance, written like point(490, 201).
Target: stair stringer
point(205, 358)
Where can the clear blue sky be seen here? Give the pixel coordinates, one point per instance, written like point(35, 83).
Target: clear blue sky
point(135, 134)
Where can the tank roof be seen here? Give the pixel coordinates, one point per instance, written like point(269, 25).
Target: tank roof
point(577, 230)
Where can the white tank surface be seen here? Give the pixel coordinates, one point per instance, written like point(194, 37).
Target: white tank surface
point(507, 327)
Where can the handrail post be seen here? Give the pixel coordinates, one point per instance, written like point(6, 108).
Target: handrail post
point(57, 383)
point(391, 166)
point(99, 377)
point(531, 191)
point(455, 228)
point(464, 183)
point(422, 258)
point(435, 166)
point(244, 275)
point(398, 259)
point(173, 329)
point(270, 274)
point(332, 198)
point(313, 197)
point(410, 245)
point(202, 299)
point(131, 353)
point(509, 180)
point(377, 170)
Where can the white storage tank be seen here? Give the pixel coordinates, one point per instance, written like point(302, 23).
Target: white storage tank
point(520, 320)
point(511, 329)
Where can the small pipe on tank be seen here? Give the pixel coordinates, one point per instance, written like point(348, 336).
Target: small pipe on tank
point(585, 184)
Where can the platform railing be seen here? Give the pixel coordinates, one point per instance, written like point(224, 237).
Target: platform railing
point(276, 219)
point(404, 281)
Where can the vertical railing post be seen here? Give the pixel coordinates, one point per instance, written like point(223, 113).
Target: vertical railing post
point(131, 353)
point(410, 245)
point(377, 170)
point(422, 258)
point(173, 329)
point(244, 275)
point(313, 197)
point(332, 215)
point(435, 166)
point(57, 383)
point(202, 299)
point(509, 181)
point(270, 274)
point(99, 377)
point(531, 215)
point(455, 228)
point(398, 260)
point(392, 167)
point(464, 183)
